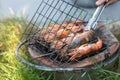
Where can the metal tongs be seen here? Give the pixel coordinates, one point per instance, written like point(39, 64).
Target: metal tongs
point(90, 28)
point(92, 23)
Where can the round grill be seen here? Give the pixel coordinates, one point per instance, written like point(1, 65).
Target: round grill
point(50, 37)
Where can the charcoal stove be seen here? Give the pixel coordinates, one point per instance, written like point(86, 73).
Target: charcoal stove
point(110, 49)
point(58, 12)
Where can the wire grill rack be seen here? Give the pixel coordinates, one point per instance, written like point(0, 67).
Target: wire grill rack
point(56, 12)
point(50, 13)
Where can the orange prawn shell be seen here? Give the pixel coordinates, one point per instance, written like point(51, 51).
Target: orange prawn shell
point(55, 28)
point(62, 33)
point(85, 49)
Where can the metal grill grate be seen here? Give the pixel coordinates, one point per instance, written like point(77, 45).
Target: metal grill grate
point(54, 12)
point(50, 49)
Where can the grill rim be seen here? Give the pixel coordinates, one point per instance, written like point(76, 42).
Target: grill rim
point(46, 68)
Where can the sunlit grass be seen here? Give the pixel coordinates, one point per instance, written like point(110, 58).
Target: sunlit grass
point(12, 69)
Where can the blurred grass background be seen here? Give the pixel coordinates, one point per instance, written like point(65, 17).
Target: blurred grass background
point(11, 30)
point(11, 69)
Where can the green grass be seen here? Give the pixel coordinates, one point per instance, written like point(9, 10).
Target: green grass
point(12, 69)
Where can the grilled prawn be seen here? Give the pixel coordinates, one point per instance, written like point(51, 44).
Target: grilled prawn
point(85, 49)
point(74, 40)
point(59, 34)
point(61, 31)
